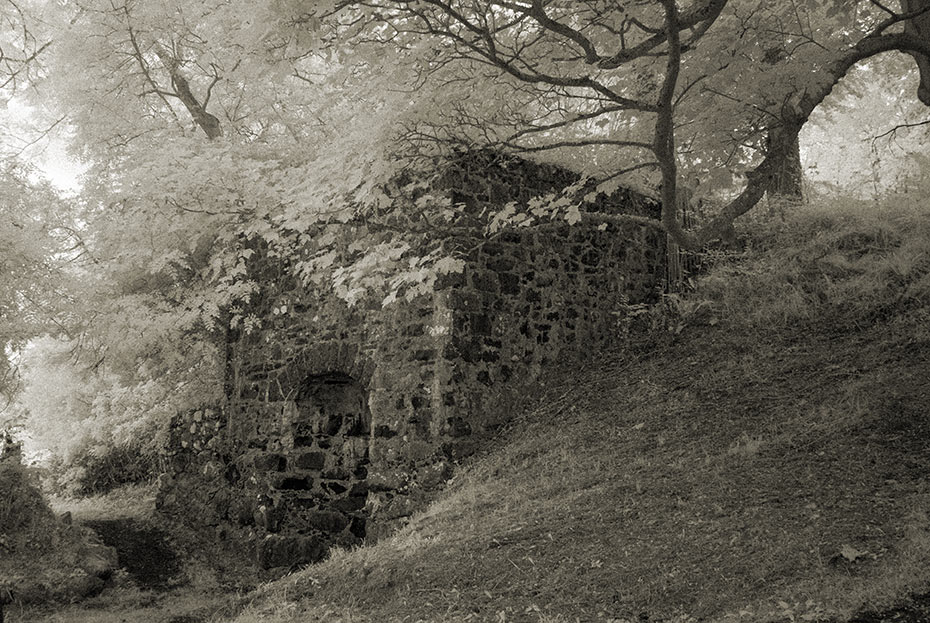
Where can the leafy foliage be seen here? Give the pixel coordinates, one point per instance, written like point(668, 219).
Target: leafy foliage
point(110, 468)
point(872, 125)
point(31, 292)
point(228, 143)
point(80, 413)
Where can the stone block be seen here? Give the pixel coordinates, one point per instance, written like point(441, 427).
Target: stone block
point(509, 284)
point(490, 355)
point(501, 264)
point(419, 424)
point(456, 426)
point(427, 354)
point(492, 249)
point(469, 349)
point(384, 431)
point(358, 527)
point(485, 282)
point(334, 487)
point(328, 521)
point(269, 463)
point(449, 280)
point(310, 461)
point(337, 473)
point(288, 551)
point(351, 504)
point(387, 479)
point(294, 483)
point(480, 324)
point(464, 301)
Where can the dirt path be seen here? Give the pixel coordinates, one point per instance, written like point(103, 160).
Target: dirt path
point(144, 552)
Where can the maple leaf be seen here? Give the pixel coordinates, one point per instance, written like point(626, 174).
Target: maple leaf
point(850, 553)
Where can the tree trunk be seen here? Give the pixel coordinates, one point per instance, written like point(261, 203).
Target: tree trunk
point(787, 183)
point(919, 26)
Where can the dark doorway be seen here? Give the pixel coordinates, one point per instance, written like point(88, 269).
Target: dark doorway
point(325, 480)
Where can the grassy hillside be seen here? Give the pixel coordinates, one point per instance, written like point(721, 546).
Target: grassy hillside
point(760, 454)
point(766, 458)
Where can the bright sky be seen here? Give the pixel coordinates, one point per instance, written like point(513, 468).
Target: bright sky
point(60, 169)
point(48, 154)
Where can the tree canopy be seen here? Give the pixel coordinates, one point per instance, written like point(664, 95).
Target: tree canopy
point(217, 133)
point(706, 90)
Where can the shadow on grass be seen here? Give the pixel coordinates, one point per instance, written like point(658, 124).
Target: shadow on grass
point(143, 552)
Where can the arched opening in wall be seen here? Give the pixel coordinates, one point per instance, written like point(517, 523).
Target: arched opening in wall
point(327, 473)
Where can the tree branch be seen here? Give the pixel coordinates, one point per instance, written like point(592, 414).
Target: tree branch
point(708, 12)
point(207, 122)
point(893, 131)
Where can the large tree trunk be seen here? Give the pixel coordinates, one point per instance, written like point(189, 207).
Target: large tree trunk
point(787, 182)
point(919, 27)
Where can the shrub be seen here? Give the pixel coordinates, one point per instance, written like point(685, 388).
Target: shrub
point(96, 470)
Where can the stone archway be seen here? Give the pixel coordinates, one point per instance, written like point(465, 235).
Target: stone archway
point(324, 484)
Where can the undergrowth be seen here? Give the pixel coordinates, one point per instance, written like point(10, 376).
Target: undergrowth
point(40, 556)
point(843, 264)
point(24, 515)
point(102, 471)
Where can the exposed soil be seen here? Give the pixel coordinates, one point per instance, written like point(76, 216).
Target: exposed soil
point(144, 552)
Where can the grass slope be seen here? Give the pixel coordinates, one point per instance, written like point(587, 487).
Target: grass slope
point(770, 463)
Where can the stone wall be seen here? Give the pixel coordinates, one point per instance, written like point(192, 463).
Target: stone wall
point(341, 421)
point(532, 297)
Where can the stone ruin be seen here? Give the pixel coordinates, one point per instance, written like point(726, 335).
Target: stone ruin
point(341, 421)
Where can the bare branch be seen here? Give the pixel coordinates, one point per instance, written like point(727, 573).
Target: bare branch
point(893, 131)
point(579, 143)
point(883, 7)
point(206, 121)
point(143, 65)
point(698, 14)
